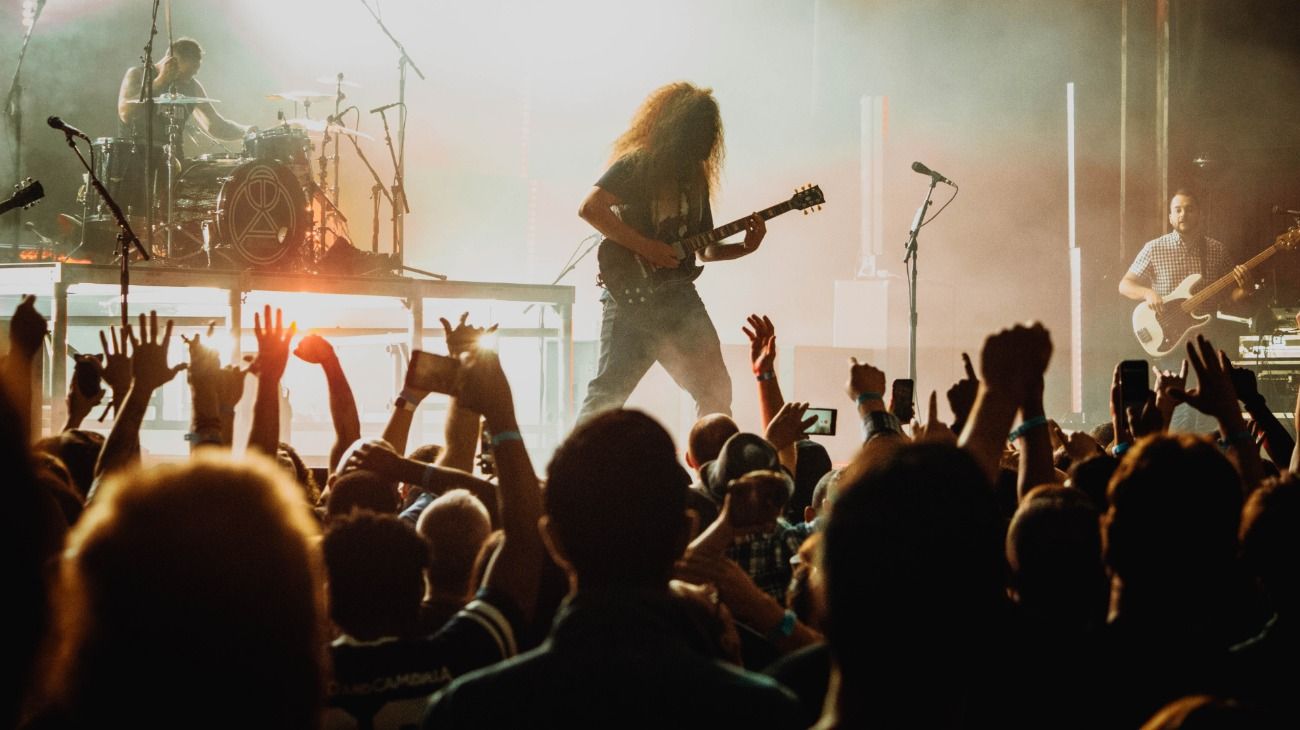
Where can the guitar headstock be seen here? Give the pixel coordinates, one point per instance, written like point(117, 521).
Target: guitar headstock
point(26, 193)
point(807, 198)
point(1289, 239)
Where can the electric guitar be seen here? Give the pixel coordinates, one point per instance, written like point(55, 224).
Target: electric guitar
point(631, 280)
point(1160, 333)
point(28, 192)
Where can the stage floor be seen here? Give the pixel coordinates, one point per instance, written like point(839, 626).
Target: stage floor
point(374, 323)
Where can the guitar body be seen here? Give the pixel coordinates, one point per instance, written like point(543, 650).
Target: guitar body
point(1160, 334)
point(632, 281)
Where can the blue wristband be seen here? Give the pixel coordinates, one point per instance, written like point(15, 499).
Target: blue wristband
point(1119, 449)
point(1027, 426)
point(766, 375)
point(500, 438)
point(784, 629)
point(864, 397)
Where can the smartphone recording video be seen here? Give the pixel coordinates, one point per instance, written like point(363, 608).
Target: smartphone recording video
point(825, 424)
point(433, 373)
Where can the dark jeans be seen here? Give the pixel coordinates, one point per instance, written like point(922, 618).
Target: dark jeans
point(673, 330)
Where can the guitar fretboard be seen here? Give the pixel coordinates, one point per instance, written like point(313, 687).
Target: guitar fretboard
point(701, 240)
point(1192, 305)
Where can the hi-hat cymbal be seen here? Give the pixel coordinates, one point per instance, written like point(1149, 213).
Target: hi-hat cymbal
point(332, 80)
point(315, 127)
point(299, 95)
point(178, 99)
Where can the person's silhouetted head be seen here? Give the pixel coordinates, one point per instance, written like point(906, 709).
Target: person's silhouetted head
point(375, 564)
point(1054, 552)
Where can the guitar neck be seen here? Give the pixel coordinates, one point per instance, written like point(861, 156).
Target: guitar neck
point(701, 240)
point(1193, 304)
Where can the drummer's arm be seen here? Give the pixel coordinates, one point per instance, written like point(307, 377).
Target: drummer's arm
point(129, 92)
point(212, 121)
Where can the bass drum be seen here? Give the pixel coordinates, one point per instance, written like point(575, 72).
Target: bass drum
point(252, 214)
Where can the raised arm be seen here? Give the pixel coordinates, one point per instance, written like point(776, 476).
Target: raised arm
point(149, 372)
point(27, 331)
point(272, 356)
point(1216, 396)
point(379, 457)
point(343, 407)
point(1277, 441)
point(762, 360)
point(516, 570)
point(1011, 361)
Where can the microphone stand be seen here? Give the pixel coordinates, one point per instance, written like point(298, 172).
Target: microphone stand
point(399, 161)
point(146, 98)
point(14, 111)
point(910, 262)
point(125, 237)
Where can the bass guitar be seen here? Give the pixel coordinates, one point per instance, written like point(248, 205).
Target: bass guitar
point(1160, 333)
point(632, 280)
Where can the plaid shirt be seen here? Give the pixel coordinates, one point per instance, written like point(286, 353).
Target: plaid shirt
point(766, 556)
point(1166, 261)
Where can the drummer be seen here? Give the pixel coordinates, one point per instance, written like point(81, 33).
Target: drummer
point(173, 74)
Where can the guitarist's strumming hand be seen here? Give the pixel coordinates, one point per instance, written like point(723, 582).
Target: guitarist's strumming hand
point(658, 254)
point(1156, 301)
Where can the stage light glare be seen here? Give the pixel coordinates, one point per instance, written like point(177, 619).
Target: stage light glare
point(490, 341)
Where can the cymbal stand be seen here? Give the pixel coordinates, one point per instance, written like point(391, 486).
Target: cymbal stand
point(399, 186)
point(173, 140)
point(339, 96)
point(323, 162)
point(14, 111)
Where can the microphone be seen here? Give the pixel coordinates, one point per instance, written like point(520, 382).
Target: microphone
point(67, 129)
point(1279, 210)
point(918, 167)
point(385, 107)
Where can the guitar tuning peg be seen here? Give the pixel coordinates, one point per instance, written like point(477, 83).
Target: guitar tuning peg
point(805, 212)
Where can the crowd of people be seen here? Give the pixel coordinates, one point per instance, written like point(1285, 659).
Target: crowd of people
point(995, 571)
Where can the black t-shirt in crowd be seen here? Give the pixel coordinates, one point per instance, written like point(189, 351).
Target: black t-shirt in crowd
point(387, 683)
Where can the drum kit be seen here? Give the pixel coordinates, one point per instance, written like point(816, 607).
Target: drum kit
point(262, 207)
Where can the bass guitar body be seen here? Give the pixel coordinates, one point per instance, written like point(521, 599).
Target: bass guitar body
point(1160, 334)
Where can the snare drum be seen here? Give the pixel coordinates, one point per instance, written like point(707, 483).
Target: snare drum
point(286, 145)
point(257, 209)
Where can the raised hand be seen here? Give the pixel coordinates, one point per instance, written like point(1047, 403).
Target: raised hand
point(1168, 381)
point(1215, 394)
point(204, 361)
point(933, 429)
point(484, 389)
point(117, 367)
point(788, 425)
point(1014, 360)
point(375, 455)
point(315, 349)
point(272, 343)
point(1078, 445)
point(463, 337)
point(79, 404)
point(27, 328)
point(149, 367)
point(865, 378)
point(762, 343)
point(1247, 385)
point(961, 396)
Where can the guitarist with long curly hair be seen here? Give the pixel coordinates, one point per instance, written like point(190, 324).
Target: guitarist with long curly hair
point(656, 191)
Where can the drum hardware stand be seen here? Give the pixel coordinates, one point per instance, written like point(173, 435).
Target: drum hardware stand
point(173, 137)
point(126, 237)
point(375, 190)
point(320, 189)
point(146, 97)
point(339, 96)
point(14, 111)
point(399, 243)
point(379, 187)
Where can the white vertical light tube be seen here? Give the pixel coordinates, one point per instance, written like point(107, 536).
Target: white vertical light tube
point(1076, 265)
point(871, 110)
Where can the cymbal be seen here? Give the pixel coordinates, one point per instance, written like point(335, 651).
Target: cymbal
point(299, 95)
point(178, 99)
point(332, 80)
point(316, 127)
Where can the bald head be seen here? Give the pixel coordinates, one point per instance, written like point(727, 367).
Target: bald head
point(707, 437)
